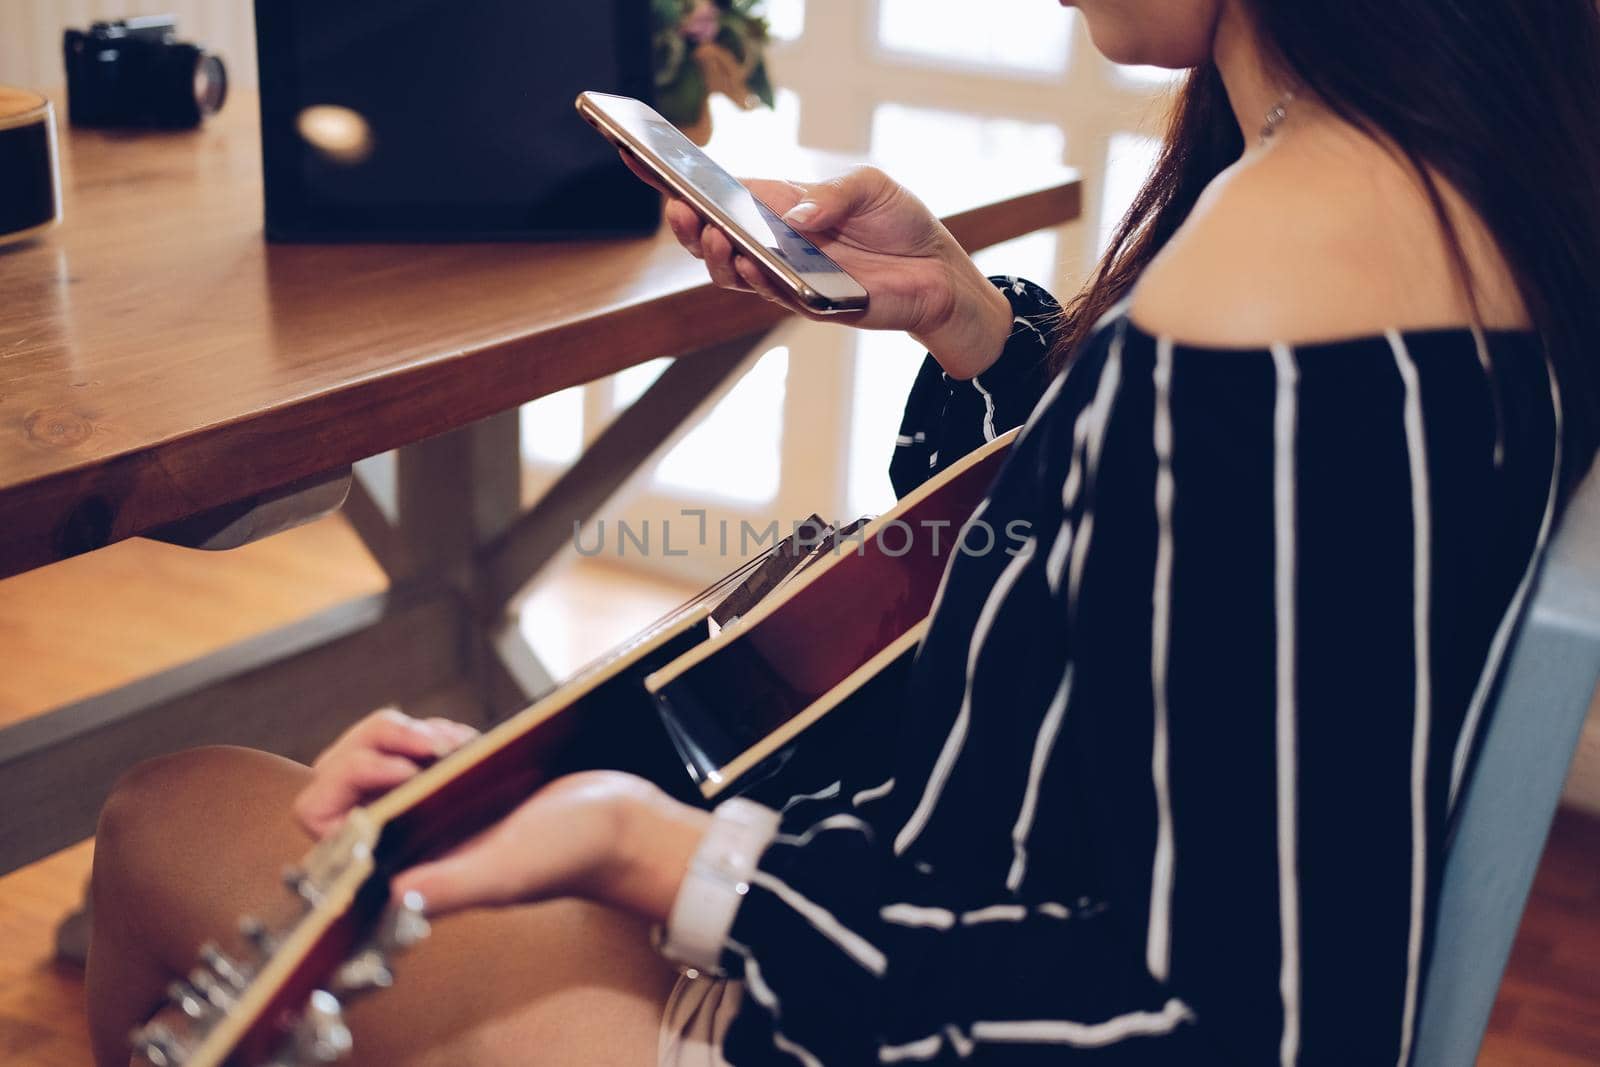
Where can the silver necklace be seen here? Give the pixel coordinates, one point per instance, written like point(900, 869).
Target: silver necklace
point(1275, 117)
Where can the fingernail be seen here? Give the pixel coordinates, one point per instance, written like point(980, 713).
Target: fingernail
point(802, 213)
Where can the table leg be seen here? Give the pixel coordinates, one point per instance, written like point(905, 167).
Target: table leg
point(448, 510)
point(456, 491)
point(508, 562)
point(370, 508)
point(425, 510)
point(511, 561)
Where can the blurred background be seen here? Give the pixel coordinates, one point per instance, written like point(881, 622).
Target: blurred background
point(999, 83)
point(911, 83)
point(1005, 83)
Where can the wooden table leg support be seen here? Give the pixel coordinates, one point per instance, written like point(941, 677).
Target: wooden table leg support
point(290, 691)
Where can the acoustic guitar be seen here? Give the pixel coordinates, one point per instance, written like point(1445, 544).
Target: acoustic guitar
point(720, 688)
point(30, 180)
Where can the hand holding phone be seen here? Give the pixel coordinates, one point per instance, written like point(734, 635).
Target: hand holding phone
point(804, 270)
point(922, 282)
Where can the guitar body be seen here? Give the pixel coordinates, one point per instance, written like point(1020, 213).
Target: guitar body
point(30, 181)
point(608, 724)
point(798, 657)
point(699, 711)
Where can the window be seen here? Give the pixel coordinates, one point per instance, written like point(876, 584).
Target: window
point(786, 18)
point(1025, 36)
point(735, 451)
point(1034, 257)
point(887, 363)
point(744, 139)
point(1150, 77)
point(629, 385)
point(1130, 158)
point(732, 453)
point(552, 427)
point(928, 134)
point(922, 141)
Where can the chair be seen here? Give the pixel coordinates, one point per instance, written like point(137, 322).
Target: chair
point(1512, 795)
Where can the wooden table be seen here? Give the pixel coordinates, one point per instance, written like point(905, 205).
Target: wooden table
point(166, 373)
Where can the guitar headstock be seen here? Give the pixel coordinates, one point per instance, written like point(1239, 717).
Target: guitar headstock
point(280, 1003)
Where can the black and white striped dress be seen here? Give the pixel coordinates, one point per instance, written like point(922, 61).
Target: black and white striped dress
point(1174, 779)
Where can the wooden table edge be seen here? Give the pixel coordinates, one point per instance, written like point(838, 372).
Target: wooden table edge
point(106, 499)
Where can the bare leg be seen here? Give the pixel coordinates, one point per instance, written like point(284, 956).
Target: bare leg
point(190, 842)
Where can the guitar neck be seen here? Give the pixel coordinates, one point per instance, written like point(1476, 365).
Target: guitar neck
point(594, 720)
point(480, 782)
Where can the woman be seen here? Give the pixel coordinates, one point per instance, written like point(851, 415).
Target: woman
point(1174, 781)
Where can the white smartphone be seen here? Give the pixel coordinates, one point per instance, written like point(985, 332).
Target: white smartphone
point(755, 229)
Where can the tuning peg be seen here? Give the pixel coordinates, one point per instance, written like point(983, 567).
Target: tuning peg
point(362, 973)
point(301, 885)
point(223, 966)
point(211, 989)
point(256, 933)
point(189, 1000)
point(323, 1036)
point(405, 924)
point(159, 1045)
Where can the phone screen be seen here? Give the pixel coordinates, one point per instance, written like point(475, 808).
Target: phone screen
point(717, 185)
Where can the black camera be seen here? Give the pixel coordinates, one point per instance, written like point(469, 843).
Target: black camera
point(135, 72)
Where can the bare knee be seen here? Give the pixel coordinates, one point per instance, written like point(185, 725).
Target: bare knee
point(141, 800)
point(143, 791)
point(160, 796)
point(166, 815)
point(205, 768)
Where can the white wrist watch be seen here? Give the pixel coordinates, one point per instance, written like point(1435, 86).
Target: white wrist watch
point(718, 878)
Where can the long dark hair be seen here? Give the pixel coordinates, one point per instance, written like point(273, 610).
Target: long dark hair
point(1499, 98)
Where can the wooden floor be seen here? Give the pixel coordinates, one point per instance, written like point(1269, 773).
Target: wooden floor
point(155, 606)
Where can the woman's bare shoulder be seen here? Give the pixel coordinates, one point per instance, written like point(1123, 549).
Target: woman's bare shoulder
point(1330, 237)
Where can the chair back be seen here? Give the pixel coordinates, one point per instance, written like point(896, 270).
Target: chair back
point(1511, 798)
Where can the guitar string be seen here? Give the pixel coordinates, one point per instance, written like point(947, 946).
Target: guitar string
point(738, 574)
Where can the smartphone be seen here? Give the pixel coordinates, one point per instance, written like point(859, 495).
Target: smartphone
point(755, 229)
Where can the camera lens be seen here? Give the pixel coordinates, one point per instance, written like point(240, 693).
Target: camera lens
point(210, 83)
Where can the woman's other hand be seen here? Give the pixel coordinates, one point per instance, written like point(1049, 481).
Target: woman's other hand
point(602, 835)
point(918, 278)
point(378, 753)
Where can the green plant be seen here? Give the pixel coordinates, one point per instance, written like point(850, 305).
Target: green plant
point(685, 30)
